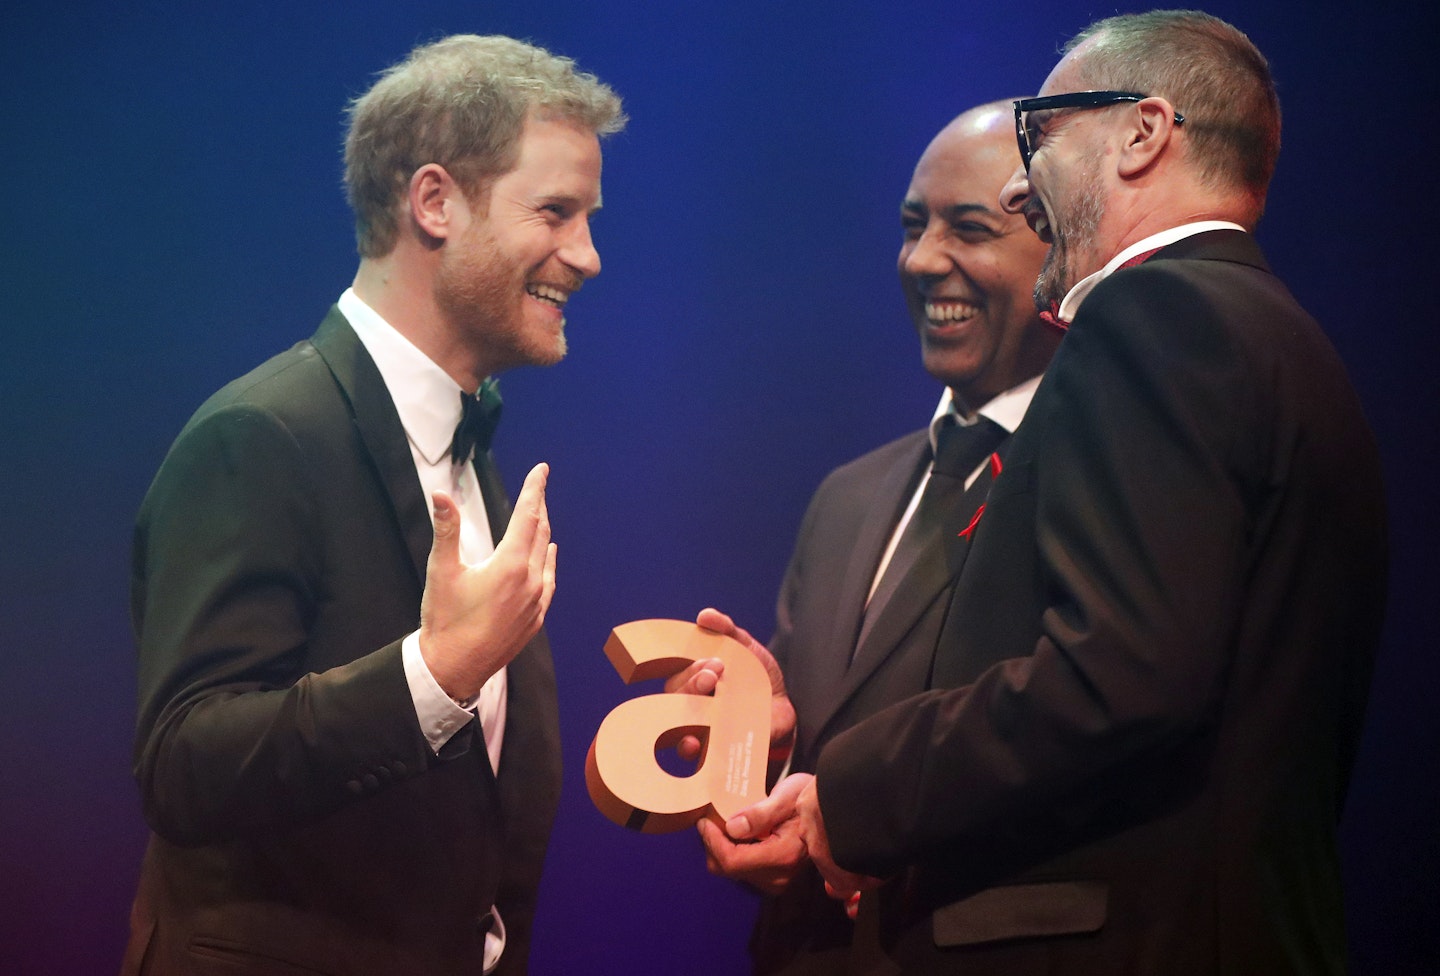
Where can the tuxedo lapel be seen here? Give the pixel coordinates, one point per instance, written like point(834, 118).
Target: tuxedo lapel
point(380, 430)
point(492, 490)
point(907, 591)
point(880, 513)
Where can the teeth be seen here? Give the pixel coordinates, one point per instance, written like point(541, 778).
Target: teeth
point(950, 311)
point(546, 293)
point(1042, 225)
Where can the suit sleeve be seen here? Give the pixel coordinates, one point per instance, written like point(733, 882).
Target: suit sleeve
point(237, 735)
point(1140, 529)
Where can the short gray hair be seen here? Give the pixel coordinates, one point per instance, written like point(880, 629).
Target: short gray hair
point(460, 102)
point(1213, 75)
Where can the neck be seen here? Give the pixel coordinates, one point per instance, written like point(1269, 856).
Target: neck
point(400, 288)
point(1033, 355)
point(1141, 210)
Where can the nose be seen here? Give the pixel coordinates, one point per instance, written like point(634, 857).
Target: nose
point(924, 257)
point(578, 250)
point(1015, 191)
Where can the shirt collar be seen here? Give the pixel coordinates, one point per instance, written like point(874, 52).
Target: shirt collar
point(1006, 409)
point(425, 397)
point(1086, 285)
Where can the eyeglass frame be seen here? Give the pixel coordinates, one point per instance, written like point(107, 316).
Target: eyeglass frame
point(1082, 99)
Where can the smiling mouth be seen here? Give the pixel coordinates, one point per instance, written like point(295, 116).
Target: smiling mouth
point(1039, 222)
point(942, 313)
point(548, 294)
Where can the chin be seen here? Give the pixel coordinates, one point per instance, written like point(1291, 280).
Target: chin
point(551, 354)
point(953, 376)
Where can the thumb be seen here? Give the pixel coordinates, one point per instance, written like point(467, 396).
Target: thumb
point(445, 550)
point(762, 818)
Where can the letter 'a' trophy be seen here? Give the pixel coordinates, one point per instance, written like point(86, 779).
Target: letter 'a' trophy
point(625, 780)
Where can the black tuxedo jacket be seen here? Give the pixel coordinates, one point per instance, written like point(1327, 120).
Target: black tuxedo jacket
point(1135, 746)
point(843, 662)
point(300, 821)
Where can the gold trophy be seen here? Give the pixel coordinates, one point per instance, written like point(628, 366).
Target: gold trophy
point(626, 782)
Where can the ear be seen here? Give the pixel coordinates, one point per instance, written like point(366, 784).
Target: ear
point(1153, 125)
point(432, 197)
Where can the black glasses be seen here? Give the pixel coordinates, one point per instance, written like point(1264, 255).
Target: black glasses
point(1084, 99)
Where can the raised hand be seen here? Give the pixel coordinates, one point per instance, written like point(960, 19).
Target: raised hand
point(474, 619)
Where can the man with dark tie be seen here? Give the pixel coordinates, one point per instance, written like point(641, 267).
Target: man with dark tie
point(866, 600)
point(347, 744)
point(1132, 756)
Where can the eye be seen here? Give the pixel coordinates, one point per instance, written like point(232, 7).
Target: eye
point(1035, 127)
point(912, 226)
point(972, 231)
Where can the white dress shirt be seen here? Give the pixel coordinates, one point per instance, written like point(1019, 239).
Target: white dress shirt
point(1006, 409)
point(1086, 285)
point(428, 402)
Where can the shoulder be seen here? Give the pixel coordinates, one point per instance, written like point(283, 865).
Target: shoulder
point(268, 420)
point(1217, 276)
point(293, 391)
point(884, 457)
point(866, 471)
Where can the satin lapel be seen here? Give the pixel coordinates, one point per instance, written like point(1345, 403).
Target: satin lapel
point(531, 725)
point(907, 592)
point(380, 430)
point(875, 526)
point(492, 490)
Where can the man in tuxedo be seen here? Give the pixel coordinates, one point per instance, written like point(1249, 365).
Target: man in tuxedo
point(347, 744)
point(865, 600)
point(1132, 757)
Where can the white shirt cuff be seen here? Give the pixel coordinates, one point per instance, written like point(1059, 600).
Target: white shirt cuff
point(440, 717)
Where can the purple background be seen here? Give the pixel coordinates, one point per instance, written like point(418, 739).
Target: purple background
point(172, 214)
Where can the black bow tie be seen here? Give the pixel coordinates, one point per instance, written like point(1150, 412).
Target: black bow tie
point(479, 416)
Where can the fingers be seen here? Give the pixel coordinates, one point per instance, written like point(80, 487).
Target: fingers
point(540, 546)
point(712, 619)
point(688, 748)
point(851, 900)
point(722, 623)
point(698, 678)
point(769, 864)
point(547, 579)
point(765, 816)
point(839, 883)
point(529, 528)
point(528, 536)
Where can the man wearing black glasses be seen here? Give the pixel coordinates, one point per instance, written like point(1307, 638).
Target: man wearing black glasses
point(1132, 758)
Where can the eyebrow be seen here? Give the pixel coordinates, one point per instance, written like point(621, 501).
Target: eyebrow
point(952, 212)
point(545, 199)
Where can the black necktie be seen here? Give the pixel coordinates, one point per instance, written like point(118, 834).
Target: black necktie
point(942, 510)
point(479, 416)
point(959, 451)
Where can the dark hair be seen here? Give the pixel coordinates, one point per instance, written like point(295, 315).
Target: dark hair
point(1211, 72)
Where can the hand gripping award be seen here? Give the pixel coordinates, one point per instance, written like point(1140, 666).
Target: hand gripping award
point(624, 777)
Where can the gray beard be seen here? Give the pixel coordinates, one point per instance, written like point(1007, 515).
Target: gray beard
point(1079, 230)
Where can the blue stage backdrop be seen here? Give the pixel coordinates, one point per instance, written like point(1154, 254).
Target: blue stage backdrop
point(172, 215)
